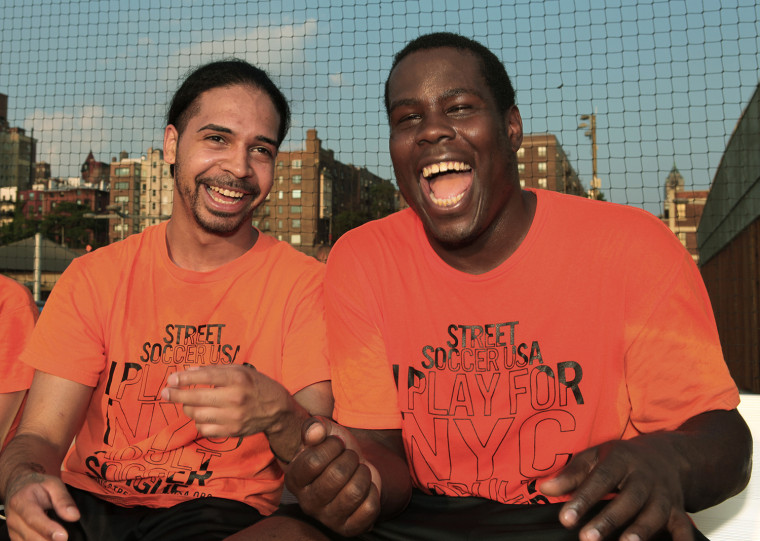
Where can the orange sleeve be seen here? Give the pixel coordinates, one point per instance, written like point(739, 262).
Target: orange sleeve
point(304, 359)
point(674, 364)
point(365, 393)
point(69, 331)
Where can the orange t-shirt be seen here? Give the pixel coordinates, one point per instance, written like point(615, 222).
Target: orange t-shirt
point(123, 318)
point(18, 314)
point(597, 328)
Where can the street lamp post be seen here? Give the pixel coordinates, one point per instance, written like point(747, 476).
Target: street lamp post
point(590, 132)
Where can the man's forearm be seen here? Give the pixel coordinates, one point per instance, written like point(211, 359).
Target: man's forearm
point(285, 433)
point(384, 450)
point(27, 456)
point(715, 450)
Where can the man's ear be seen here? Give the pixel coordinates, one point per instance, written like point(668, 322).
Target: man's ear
point(171, 137)
point(514, 127)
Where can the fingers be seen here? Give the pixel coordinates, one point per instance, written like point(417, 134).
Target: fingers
point(645, 494)
point(309, 464)
point(26, 511)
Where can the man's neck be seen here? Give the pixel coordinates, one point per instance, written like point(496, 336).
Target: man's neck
point(194, 249)
point(493, 249)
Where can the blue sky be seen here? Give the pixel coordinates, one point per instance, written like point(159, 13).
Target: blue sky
point(667, 79)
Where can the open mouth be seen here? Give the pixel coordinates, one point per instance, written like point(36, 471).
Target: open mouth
point(225, 196)
point(448, 182)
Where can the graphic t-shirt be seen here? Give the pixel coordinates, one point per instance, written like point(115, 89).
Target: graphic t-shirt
point(125, 317)
point(17, 316)
point(597, 328)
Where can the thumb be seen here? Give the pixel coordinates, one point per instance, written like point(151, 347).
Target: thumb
point(63, 504)
point(314, 431)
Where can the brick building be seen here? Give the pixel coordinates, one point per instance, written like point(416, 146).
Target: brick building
point(125, 177)
point(313, 192)
point(156, 188)
point(542, 163)
point(17, 153)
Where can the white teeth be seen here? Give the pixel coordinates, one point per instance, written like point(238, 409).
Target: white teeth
point(225, 192)
point(446, 202)
point(443, 167)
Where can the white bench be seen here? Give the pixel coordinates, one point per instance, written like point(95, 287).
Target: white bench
point(738, 518)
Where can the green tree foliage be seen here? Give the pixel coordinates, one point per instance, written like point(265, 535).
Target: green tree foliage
point(65, 224)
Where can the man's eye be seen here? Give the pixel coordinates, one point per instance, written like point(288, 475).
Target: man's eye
point(407, 118)
point(263, 150)
point(215, 138)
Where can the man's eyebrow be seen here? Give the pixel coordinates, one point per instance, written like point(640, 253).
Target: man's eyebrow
point(401, 103)
point(215, 127)
point(223, 129)
point(452, 92)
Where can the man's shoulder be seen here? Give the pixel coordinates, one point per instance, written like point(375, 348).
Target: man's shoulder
point(572, 210)
point(115, 257)
point(393, 230)
point(285, 258)
point(13, 293)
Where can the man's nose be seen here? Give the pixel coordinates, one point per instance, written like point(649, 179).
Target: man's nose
point(434, 128)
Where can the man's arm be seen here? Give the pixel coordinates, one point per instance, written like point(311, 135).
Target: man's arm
point(657, 477)
point(30, 466)
point(349, 478)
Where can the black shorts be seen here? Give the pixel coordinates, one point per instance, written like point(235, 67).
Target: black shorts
point(202, 519)
point(440, 518)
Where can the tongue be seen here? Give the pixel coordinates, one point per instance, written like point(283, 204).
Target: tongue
point(450, 184)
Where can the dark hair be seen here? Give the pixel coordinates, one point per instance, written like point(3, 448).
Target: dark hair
point(219, 74)
point(490, 66)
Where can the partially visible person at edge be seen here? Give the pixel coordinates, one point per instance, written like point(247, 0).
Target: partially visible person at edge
point(18, 314)
point(538, 366)
point(142, 348)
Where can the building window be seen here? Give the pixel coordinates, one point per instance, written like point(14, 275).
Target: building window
point(522, 183)
point(681, 210)
point(280, 210)
point(266, 225)
point(280, 224)
point(295, 239)
point(542, 152)
point(280, 179)
point(296, 164)
point(121, 185)
point(296, 194)
point(520, 152)
point(542, 167)
point(280, 194)
point(279, 164)
point(121, 199)
point(296, 223)
point(121, 172)
point(542, 183)
point(295, 209)
point(521, 168)
point(144, 187)
point(255, 223)
point(296, 179)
